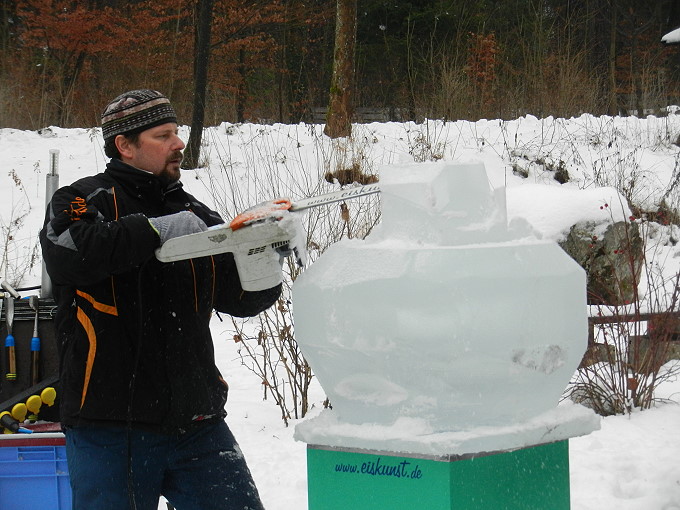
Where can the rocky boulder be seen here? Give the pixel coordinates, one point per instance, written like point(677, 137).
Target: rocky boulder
point(612, 255)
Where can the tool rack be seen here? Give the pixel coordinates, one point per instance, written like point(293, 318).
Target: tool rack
point(11, 392)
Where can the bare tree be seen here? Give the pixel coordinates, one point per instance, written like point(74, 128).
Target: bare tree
point(341, 104)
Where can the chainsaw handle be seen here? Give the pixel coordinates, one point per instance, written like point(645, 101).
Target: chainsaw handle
point(260, 212)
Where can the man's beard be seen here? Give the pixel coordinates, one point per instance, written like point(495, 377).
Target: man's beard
point(171, 173)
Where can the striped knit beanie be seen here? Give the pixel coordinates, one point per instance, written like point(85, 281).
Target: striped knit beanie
point(136, 111)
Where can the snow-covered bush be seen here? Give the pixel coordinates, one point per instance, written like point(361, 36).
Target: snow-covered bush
point(633, 347)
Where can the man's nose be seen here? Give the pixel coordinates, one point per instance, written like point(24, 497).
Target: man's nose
point(179, 144)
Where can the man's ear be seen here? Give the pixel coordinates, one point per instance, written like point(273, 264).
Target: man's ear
point(124, 146)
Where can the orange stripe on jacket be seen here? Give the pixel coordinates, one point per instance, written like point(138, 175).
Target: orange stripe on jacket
point(92, 339)
point(111, 310)
point(115, 201)
point(212, 295)
point(193, 273)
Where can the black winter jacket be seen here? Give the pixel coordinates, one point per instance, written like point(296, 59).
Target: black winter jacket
point(122, 315)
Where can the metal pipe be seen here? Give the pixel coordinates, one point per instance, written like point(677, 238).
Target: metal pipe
point(51, 186)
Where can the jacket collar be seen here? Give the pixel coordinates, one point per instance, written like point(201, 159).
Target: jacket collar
point(139, 183)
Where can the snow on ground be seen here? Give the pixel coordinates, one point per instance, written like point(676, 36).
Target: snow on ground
point(631, 463)
point(672, 37)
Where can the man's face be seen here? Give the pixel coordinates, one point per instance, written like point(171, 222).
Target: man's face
point(158, 150)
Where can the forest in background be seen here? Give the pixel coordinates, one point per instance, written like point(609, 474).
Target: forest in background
point(271, 61)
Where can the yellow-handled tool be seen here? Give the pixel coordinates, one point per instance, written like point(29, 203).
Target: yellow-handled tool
point(48, 396)
point(33, 404)
point(10, 353)
point(11, 425)
point(19, 412)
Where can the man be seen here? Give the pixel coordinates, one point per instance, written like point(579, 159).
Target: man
point(142, 402)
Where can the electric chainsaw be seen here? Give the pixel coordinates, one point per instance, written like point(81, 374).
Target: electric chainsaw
point(258, 238)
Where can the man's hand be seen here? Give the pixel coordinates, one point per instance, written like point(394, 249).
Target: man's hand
point(176, 225)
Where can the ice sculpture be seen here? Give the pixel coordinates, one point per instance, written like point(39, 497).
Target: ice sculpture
point(444, 313)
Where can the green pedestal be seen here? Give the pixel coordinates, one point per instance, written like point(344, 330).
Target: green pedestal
point(529, 478)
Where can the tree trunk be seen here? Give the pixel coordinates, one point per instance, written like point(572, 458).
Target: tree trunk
point(613, 96)
point(341, 107)
point(68, 83)
point(201, 60)
point(241, 95)
point(636, 73)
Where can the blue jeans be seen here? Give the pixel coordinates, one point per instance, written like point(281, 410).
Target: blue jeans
point(201, 470)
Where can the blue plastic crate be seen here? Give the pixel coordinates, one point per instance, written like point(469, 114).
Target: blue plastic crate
point(34, 476)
